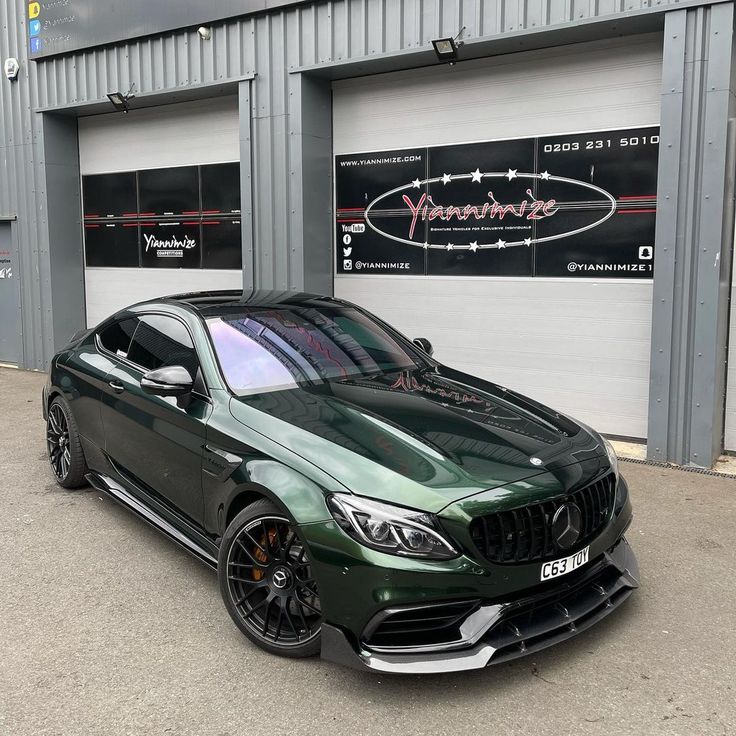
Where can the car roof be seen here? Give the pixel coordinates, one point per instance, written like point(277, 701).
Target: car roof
point(214, 303)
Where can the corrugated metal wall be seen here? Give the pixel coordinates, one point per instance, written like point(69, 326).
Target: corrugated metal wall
point(22, 187)
point(271, 46)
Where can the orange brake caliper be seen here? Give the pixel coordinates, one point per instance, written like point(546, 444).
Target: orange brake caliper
point(260, 555)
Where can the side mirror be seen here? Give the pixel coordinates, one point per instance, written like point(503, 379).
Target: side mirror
point(423, 344)
point(171, 380)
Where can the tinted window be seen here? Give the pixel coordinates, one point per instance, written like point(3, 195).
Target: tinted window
point(271, 349)
point(116, 337)
point(110, 195)
point(169, 191)
point(161, 341)
point(222, 244)
point(111, 244)
point(221, 188)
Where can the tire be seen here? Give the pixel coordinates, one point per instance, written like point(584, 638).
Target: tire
point(267, 584)
point(64, 447)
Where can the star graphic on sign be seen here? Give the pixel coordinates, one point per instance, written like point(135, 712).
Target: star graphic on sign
point(450, 246)
point(474, 246)
point(501, 243)
point(425, 246)
point(511, 174)
point(477, 176)
point(527, 241)
point(446, 178)
point(416, 183)
point(544, 175)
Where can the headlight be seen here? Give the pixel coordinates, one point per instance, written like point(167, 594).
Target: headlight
point(611, 456)
point(390, 529)
point(622, 493)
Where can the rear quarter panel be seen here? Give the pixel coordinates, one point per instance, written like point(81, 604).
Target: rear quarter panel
point(78, 374)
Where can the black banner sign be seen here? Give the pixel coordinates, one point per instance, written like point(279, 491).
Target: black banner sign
point(579, 205)
point(180, 217)
point(61, 26)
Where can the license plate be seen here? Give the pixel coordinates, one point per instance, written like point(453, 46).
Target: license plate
point(555, 568)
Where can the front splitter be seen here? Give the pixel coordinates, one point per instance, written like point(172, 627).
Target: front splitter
point(508, 635)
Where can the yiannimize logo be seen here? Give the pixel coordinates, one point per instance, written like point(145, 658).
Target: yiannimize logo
point(169, 246)
point(488, 212)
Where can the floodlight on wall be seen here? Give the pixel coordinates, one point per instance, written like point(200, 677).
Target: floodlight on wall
point(446, 48)
point(205, 33)
point(120, 101)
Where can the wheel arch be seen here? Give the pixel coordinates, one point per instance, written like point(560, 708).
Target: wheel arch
point(54, 391)
point(298, 496)
point(243, 498)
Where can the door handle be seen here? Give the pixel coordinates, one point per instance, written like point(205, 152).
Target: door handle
point(117, 387)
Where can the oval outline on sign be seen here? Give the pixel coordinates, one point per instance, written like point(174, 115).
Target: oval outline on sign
point(492, 175)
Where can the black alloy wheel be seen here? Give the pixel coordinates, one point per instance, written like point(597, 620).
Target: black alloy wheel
point(64, 448)
point(57, 436)
point(267, 582)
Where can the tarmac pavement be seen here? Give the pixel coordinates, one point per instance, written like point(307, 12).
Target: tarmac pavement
point(108, 628)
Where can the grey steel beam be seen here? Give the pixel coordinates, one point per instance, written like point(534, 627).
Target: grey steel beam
point(246, 182)
point(310, 174)
point(694, 238)
point(66, 306)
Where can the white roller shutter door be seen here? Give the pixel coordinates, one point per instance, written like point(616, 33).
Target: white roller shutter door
point(581, 345)
point(191, 133)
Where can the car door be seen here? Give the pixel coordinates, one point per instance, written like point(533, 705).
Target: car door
point(158, 441)
point(86, 369)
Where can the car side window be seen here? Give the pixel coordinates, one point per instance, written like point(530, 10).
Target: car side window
point(162, 341)
point(117, 336)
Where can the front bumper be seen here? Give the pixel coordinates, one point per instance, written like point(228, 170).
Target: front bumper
point(510, 629)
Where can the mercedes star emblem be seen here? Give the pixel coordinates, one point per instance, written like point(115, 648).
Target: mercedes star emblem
point(566, 525)
point(280, 578)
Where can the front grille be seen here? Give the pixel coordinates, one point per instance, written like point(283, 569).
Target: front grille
point(436, 623)
point(524, 534)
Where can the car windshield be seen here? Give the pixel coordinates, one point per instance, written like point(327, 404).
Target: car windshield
point(275, 348)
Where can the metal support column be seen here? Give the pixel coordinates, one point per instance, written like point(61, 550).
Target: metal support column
point(246, 182)
point(310, 163)
point(62, 223)
point(694, 238)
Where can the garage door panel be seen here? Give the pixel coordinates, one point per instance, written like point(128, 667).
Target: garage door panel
point(497, 357)
point(630, 315)
point(591, 86)
point(170, 147)
point(205, 131)
point(552, 330)
point(111, 289)
point(579, 345)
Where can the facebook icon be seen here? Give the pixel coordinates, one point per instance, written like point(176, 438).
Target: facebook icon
point(35, 45)
point(34, 27)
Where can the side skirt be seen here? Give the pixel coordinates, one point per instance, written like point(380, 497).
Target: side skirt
point(115, 490)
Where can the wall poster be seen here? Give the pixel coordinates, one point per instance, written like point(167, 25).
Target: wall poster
point(577, 205)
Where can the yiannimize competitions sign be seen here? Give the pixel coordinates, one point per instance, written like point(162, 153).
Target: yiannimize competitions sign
point(577, 205)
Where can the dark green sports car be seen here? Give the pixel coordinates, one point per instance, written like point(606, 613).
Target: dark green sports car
point(357, 498)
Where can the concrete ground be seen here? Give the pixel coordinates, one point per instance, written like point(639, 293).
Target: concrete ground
point(108, 628)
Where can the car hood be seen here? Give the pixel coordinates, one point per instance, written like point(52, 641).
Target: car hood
point(422, 439)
